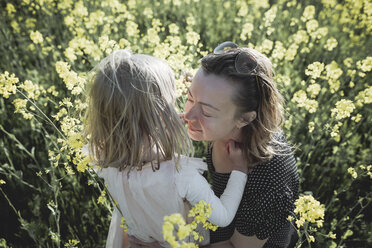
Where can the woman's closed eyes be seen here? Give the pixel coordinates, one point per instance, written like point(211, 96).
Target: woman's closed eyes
point(189, 99)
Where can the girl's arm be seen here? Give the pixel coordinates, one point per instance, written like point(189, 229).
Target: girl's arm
point(223, 208)
point(194, 187)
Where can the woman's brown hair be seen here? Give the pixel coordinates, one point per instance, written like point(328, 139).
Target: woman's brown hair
point(255, 91)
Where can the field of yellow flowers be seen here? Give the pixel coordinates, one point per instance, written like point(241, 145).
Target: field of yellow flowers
point(321, 51)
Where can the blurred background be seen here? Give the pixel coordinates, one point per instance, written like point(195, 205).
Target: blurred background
point(321, 51)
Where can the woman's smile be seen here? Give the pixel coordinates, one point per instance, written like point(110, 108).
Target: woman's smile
point(193, 129)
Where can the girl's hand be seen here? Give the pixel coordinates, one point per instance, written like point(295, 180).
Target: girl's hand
point(236, 157)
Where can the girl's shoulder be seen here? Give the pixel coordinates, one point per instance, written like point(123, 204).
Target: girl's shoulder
point(177, 165)
point(190, 164)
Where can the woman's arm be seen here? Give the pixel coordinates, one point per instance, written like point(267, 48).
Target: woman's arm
point(222, 244)
point(240, 241)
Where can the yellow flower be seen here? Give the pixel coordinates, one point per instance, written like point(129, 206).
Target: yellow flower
point(365, 65)
point(123, 224)
point(309, 13)
point(20, 107)
point(72, 243)
point(352, 172)
point(300, 36)
point(314, 70)
point(65, 4)
point(32, 90)
point(175, 222)
point(312, 25)
point(36, 37)
point(348, 62)
point(311, 126)
point(270, 15)
point(320, 32)
point(72, 80)
point(2, 181)
point(246, 31)
point(192, 38)
point(148, 13)
point(300, 222)
point(75, 141)
point(190, 20)
point(132, 29)
point(80, 10)
point(302, 101)
point(10, 9)
point(173, 28)
point(279, 51)
point(70, 54)
point(332, 235)
point(329, 3)
point(333, 71)
point(364, 97)
point(19, 104)
point(291, 52)
point(309, 210)
point(313, 89)
point(82, 163)
point(8, 84)
point(331, 44)
point(102, 197)
point(335, 131)
point(357, 118)
point(311, 238)
point(343, 109)
point(183, 231)
point(266, 46)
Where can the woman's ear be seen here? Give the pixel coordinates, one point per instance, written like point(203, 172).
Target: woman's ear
point(247, 118)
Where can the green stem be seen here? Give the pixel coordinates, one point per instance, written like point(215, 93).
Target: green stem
point(20, 145)
point(46, 117)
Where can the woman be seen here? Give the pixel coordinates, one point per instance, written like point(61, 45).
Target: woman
point(233, 102)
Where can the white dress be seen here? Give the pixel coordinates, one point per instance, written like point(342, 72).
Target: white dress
point(145, 197)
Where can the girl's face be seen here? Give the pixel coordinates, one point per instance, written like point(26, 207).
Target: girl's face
point(209, 111)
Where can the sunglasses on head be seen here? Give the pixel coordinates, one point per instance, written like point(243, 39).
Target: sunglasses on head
point(245, 63)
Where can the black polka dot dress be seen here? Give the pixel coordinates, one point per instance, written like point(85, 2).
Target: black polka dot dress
point(268, 199)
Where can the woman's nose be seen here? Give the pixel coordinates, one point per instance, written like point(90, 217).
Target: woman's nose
point(191, 114)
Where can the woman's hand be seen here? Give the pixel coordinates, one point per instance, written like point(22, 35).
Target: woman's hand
point(236, 157)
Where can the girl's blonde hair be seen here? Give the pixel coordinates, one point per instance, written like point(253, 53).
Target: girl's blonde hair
point(255, 91)
point(131, 112)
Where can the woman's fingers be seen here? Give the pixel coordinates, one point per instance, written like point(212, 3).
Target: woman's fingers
point(233, 148)
point(235, 154)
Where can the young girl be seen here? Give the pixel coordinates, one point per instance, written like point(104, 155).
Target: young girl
point(137, 138)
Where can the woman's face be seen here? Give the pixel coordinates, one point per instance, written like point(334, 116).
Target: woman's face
point(209, 111)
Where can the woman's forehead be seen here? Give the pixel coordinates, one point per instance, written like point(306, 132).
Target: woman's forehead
point(212, 89)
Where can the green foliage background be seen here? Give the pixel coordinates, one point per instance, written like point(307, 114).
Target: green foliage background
point(43, 205)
